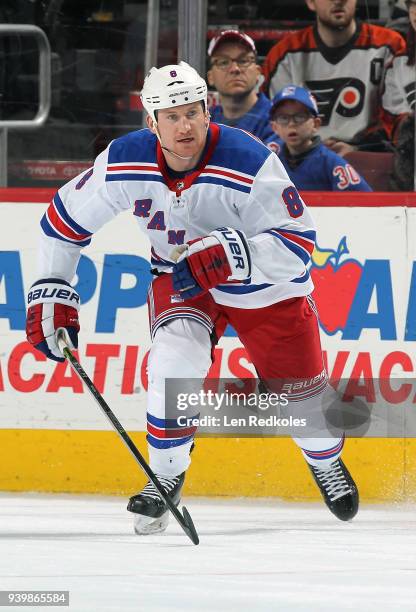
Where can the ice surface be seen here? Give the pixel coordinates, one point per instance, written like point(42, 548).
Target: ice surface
point(253, 555)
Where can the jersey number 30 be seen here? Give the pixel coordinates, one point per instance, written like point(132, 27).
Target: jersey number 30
point(293, 202)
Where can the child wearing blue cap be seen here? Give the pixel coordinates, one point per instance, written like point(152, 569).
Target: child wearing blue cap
point(311, 166)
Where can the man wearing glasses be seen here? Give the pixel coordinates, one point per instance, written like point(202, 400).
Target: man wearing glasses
point(235, 74)
point(309, 163)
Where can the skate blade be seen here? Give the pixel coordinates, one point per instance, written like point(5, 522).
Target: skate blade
point(146, 525)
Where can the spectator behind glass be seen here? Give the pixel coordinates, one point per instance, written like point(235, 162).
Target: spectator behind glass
point(310, 165)
point(399, 92)
point(342, 62)
point(399, 105)
point(235, 74)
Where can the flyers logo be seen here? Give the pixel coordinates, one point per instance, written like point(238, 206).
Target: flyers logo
point(343, 96)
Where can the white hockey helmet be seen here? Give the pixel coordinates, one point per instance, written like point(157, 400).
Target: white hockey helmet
point(171, 86)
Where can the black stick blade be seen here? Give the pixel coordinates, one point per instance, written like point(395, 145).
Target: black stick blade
point(189, 527)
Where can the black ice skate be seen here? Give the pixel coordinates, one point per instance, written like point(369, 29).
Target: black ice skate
point(152, 515)
point(338, 489)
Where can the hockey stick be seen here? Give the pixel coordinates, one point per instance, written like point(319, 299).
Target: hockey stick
point(185, 520)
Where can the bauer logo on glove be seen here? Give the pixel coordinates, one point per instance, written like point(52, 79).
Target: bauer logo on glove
point(52, 294)
point(53, 303)
point(206, 262)
point(237, 251)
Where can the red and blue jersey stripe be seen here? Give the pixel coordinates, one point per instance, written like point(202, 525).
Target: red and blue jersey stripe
point(217, 175)
point(301, 244)
point(134, 171)
point(57, 223)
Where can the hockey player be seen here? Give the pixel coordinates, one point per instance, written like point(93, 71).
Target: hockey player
point(309, 164)
point(230, 242)
point(236, 75)
point(342, 61)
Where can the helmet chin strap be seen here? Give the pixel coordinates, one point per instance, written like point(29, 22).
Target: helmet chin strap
point(175, 154)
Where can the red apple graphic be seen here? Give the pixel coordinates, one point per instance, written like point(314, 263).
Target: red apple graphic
point(335, 285)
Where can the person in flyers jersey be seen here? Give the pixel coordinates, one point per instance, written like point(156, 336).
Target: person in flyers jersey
point(342, 62)
point(230, 243)
point(399, 100)
point(399, 97)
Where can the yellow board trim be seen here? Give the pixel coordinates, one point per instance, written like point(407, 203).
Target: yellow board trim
point(98, 462)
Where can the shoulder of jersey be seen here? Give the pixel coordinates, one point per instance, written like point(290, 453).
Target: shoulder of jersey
point(378, 36)
point(239, 150)
point(329, 156)
point(264, 105)
point(138, 146)
point(322, 155)
point(301, 40)
point(401, 59)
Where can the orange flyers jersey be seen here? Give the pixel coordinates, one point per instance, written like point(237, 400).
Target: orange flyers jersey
point(347, 81)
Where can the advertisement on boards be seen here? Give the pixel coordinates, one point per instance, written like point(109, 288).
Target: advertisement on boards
point(364, 273)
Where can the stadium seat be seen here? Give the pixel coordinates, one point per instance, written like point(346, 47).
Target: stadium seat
point(376, 168)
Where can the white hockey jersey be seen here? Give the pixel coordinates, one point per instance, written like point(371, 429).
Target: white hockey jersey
point(400, 87)
point(346, 81)
point(239, 183)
